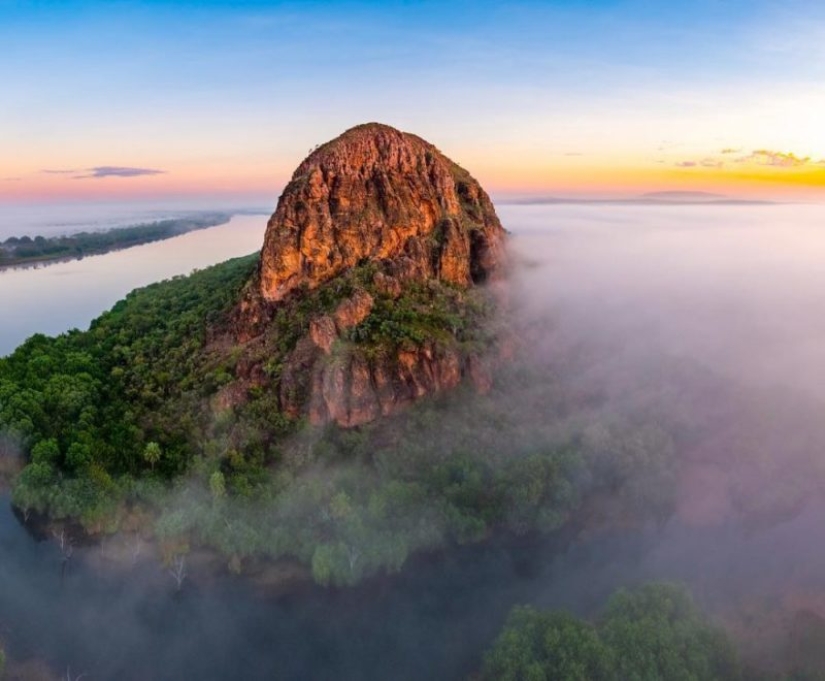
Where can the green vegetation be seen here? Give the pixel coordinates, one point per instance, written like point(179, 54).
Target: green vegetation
point(426, 312)
point(152, 409)
point(22, 250)
point(652, 633)
point(96, 409)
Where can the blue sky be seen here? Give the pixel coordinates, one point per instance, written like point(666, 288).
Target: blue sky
point(228, 96)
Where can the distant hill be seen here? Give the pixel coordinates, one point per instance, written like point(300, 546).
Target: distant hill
point(650, 198)
point(684, 196)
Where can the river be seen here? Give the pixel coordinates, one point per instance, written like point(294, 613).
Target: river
point(53, 298)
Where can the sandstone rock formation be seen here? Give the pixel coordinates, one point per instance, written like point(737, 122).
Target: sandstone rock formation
point(378, 193)
point(379, 197)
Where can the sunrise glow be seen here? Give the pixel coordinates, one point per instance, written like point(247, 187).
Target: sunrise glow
point(572, 99)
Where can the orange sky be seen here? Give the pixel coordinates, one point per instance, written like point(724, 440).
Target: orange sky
point(109, 100)
point(746, 175)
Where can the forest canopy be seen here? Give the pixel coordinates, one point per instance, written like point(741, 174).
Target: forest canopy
point(652, 632)
point(130, 415)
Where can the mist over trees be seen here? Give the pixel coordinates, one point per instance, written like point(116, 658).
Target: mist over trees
point(114, 416)
point(652, 632)
point(627, 407)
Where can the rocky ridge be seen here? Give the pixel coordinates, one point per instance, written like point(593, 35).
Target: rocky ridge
point(382, 242)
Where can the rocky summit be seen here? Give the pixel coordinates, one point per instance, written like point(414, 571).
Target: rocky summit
point(378, 193)
point(392, 225)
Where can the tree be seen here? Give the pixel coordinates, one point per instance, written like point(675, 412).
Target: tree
point(554, 646)
point(178, 570)
point(79, 456)
point(653, 633)
point(657, 632)
point(46, 451)
point(217, 485)
point(152, 454)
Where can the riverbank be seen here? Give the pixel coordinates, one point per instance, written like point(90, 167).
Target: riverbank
point(68, 295)
point(26, 251)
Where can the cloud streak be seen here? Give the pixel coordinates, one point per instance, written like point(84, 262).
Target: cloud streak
point(765, 158)
point(98, 172)
point(776, 159)
point(118, 171)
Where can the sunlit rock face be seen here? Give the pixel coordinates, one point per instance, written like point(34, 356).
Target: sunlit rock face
point(377, 193)
point(380, 196)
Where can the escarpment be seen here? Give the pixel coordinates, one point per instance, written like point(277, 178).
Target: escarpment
point(368, 281)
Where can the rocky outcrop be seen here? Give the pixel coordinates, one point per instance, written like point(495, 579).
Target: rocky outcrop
point(380, 194)
point(354, 390)
point(387, 199)
point(324, 330)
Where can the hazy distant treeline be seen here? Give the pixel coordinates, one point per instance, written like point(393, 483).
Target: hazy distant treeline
point(19, 250)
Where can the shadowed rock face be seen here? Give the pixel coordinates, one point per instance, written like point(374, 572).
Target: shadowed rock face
point(373, 195)
point(377, 193)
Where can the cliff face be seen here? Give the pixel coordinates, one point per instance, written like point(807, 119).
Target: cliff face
point(378, 193)
point(419, 232)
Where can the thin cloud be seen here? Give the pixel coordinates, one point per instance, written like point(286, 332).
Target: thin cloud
point(117, 171)
point(103, 171)
point(775, 159)
point(703, 163)
point(759, 157)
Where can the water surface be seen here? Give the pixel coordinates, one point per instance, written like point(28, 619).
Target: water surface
point(54, 298)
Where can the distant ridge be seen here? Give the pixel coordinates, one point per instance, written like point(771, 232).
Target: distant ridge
point(686, 196)
point(670, 198)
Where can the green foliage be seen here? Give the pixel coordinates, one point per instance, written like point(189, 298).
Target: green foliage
point(152, 453)
point(115, 415)
point(431, 311)
point(217, 485)
point(652, 633)
point(658, 632)
point(17, 250)
point(547, 646)
point(46, 452)
point(349, 503)
point(96, 409)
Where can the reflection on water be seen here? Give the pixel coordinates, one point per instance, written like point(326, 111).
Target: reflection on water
point(55, 298)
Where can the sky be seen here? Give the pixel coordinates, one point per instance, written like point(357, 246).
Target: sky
point(210, 101)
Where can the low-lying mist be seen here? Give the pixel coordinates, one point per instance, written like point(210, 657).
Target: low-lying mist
point(678, 347)
point(739, 289)
point(708, 321)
